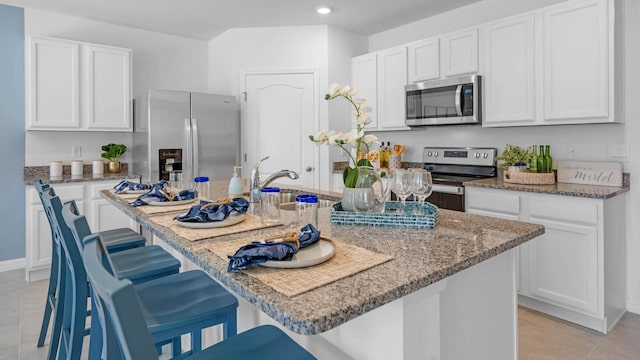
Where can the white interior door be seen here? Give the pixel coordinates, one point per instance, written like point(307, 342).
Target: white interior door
point(279, 117)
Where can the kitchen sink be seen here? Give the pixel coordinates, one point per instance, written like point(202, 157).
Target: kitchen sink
point(288, 202)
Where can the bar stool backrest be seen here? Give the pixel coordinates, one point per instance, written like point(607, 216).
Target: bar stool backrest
point(118, 305)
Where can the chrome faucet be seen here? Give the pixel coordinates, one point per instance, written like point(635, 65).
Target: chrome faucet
point(256, 185)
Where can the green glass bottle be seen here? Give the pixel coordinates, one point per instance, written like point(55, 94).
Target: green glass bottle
point(548, 161)
point(540, 162)
point(533, 164)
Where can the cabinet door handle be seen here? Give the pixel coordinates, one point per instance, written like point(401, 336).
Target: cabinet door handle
point(308, 169)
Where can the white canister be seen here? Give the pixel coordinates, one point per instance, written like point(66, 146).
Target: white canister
point(55, 169)
point(76, 168)
point(98, 167)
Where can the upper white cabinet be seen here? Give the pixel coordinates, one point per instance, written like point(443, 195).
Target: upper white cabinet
point(364, 78)
point(551, 66)
point(423, 60)
point(54, 84)
point(459, 52)
point(578, 62)
point(380, 79)
point(392, 77)
point(78, 86)
point(509, 71)
point(108, 88)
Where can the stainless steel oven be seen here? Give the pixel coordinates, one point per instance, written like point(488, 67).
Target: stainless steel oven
point(450, 167)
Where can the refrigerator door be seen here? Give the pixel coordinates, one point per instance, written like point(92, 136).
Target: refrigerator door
point(217, 135)
point(167, 112)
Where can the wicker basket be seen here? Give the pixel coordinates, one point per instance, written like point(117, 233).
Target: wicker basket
point(523, 177)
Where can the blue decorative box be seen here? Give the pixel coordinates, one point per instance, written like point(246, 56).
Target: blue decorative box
point(389, 218)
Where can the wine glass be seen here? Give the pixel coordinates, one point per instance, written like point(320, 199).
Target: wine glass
point(421, 186)
point(400, 181)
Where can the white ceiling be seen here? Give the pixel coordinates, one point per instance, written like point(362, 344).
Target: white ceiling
point(205, 19)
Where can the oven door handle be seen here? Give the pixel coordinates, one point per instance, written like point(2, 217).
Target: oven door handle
point(447, 189)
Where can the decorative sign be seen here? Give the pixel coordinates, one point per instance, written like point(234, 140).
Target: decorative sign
point(592, 173)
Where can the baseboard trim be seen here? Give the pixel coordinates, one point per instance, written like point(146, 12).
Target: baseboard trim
point(634, 307)
point(13, 264)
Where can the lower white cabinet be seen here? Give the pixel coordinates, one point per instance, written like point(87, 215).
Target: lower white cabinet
point(100, 215)
point(576, 270)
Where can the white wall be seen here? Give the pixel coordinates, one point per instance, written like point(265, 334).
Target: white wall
point(319, 48)
point(591, 141)
point(159, 61)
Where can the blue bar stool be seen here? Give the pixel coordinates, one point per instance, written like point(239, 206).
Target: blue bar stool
point(115, 240)
point(125, 322)
point(70, 306)
point(175, 304)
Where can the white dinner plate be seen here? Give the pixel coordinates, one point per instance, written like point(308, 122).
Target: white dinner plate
point(135, 191)
point(170, 203)
point(315, 254)
point(232, 219)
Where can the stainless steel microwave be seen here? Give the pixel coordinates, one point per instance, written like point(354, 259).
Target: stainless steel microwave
point(444, 102)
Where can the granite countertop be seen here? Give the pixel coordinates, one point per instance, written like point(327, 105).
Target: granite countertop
point(420, 258)
point(32, 173)
point(565, 189)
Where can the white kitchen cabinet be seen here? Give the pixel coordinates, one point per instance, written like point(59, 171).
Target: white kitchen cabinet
point(551, 66)
point(509, 71)
point(423, 60)
point(392, 77)
point(380, 78)
point(578, 62)
point(459, 51)
point(53, 71)
point(364, 78)
point(77, 86)
point(100, 216)
point(108, 91)
point(576, 270)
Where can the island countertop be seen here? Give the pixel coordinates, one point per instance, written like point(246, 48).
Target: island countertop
point(420, 258)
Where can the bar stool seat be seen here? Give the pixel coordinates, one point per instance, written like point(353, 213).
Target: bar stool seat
point(122, 239)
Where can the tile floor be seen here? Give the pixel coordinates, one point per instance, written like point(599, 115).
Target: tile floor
point(541, 337)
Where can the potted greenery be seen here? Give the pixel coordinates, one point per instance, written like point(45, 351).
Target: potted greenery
point(112, 152)
point(514, 158)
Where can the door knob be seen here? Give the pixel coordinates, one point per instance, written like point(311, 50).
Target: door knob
point(309, 169)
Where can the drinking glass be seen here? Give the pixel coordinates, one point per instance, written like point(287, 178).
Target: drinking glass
point(400, 181)
point(421, 187)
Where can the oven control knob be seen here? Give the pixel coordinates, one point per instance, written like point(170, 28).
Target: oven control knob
point(476, 155)
point(429, 154)
point(435, 153)
point(485, 155)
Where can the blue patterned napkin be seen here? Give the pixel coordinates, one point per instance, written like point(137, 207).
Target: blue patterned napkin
point(258, 252)
point(159, 193)
point(208, 211)
point(126, 185)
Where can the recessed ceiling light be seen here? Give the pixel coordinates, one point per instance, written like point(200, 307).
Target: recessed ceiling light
point(323, 10)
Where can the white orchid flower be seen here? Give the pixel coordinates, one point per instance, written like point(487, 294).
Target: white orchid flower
point(359, 101)
point(334, 89)
point(370, 139)
point(322, 137)
point(345, 90)
point(363, 119)
point(335, 138)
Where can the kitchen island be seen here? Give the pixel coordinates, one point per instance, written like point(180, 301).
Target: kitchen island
point(446, 293)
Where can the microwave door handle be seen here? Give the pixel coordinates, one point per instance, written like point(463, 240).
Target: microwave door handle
point(458, 102)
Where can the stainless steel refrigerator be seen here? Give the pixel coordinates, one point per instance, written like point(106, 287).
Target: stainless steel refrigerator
point(194, 132)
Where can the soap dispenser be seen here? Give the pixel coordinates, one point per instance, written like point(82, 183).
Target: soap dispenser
point(235, 184)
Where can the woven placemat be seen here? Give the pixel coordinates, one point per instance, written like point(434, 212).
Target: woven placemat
point(348, 260)
point(128, 197)
point(252, 222)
